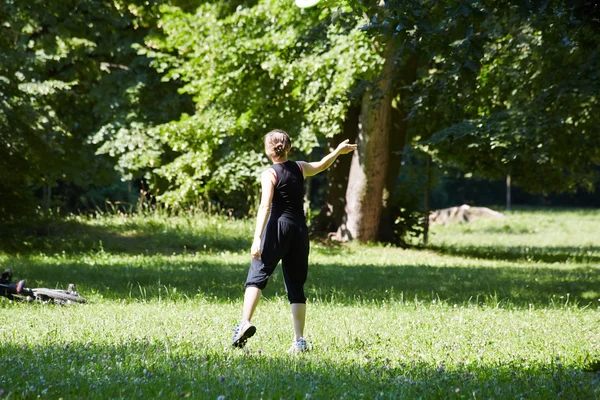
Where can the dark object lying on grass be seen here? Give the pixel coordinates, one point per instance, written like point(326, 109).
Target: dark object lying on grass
point(18, 291)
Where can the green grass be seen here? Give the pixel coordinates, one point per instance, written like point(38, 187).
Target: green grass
point(493, 309)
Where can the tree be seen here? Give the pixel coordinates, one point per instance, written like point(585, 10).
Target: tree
point(532, 114)
point(332, 211)
point(369, 168)
point(460, 106)
point(32, 135)
point(410, 35)
point(67, 69)
point(249, 68)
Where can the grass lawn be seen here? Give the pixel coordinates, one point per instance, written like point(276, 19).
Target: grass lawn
point(489, 310)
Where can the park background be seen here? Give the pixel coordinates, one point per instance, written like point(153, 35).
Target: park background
point(130, 149)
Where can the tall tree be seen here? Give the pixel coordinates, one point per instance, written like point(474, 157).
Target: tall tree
point(249, 68)
point(332, 211)
point(411, 35)
point(369, 167)
point(460, 106)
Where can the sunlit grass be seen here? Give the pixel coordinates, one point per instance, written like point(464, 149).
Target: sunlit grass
point(476, 315)
point(552, 235)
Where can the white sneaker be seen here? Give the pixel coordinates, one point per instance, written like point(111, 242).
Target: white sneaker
point(299, 346)
point(242, 332)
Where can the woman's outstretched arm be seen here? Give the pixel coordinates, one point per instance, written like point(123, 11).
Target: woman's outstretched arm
point(313, 168)
point(268, 188)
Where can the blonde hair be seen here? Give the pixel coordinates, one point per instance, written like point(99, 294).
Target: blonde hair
point(277, 144)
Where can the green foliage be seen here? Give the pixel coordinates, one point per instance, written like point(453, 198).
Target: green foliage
point(408, 225)
point(249, 69)
point(44, 57)
point(67, 69)
point(503, 87)
point(529, 109)
point(180, 93)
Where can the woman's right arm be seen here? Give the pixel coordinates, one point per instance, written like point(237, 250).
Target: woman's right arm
point(313, 168)
point(268, 188)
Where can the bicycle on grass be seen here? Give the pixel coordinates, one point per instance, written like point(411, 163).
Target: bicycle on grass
point(18, 291)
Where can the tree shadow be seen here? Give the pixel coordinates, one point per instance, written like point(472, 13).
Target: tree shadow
point(145, 368)
point(155, 276)
point(499, 286)
point(133, 237)
point(150, 279)
point(216, 280)
point(553, 254)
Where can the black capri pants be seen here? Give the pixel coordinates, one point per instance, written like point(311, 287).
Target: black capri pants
point(286, 241)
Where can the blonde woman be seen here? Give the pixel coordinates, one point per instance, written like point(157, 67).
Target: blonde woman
point(281, 234)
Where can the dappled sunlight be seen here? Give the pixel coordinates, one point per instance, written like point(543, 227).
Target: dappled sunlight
point(220, 277)
point(566, 237)
point(501, 286)
point(139, 277)
point(548, 231)
point(146, 259)
point(473, 320)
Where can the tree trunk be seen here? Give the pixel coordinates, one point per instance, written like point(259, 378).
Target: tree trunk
point(508, 192)
point(368, 169)
point(397, 141)
point(332, 211)
point(427, 200)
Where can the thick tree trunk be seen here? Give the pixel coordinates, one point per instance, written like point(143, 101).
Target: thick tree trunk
point(332, 211)
point(368, 170)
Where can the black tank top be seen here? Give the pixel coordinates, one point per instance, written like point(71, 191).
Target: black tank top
point(288, 199)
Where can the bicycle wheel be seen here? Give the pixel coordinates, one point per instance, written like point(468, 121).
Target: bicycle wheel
point(16, 291)
point(58, 296)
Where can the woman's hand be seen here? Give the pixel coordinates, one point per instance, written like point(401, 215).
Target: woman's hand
point(345, 147)
point(255, 249)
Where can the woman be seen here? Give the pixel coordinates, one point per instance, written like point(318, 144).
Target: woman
point(285, 236)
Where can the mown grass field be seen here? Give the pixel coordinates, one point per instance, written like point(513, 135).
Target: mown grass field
point(489, 310)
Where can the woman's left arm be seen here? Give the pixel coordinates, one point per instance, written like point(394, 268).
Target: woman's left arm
point(315, 167)
point(268, 188)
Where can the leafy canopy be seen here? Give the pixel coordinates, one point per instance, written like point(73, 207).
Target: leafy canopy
point(502, 87)
point(67, 68)
point(248, 69)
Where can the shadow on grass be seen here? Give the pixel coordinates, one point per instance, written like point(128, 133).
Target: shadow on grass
point(501, 286)
point(133, 237)
point(140, 368)
point(552, 254)
point(155, 276)
point(175, 279)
